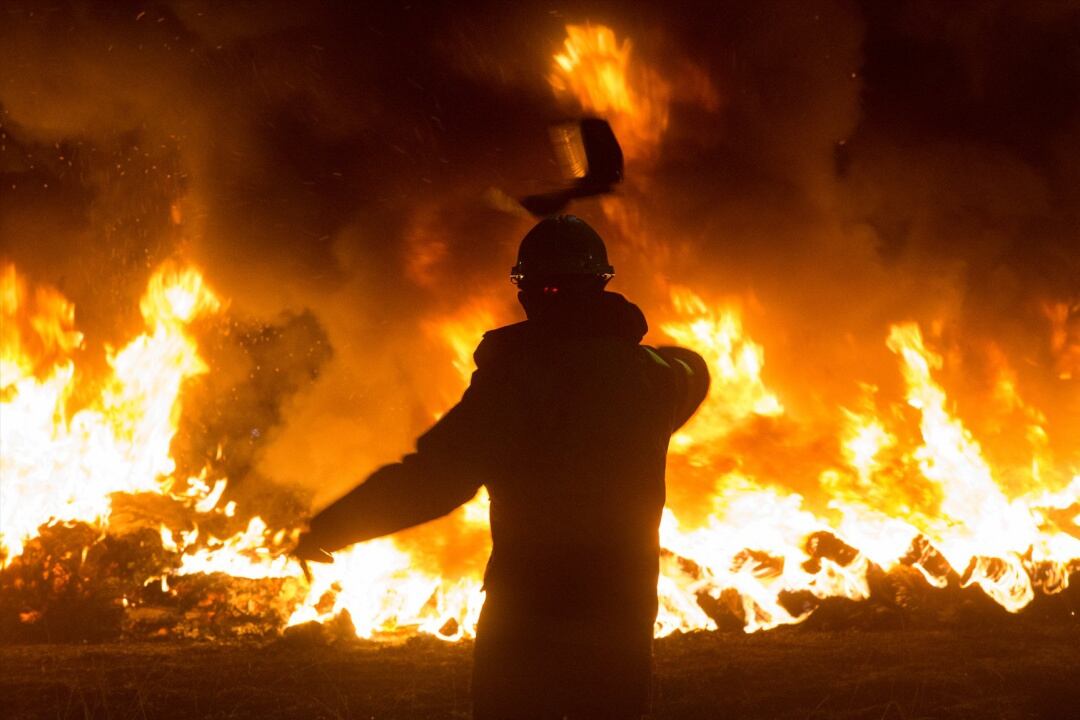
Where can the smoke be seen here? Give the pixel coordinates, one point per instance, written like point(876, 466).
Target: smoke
point(857, 164)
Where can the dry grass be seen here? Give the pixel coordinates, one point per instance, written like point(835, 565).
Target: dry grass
point(1009, 672)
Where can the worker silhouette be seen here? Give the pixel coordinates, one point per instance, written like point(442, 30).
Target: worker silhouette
point(566, 421)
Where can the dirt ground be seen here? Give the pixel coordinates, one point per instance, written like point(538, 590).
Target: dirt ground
point(1008, 672)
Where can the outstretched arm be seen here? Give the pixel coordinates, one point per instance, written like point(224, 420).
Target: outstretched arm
point(446, 470)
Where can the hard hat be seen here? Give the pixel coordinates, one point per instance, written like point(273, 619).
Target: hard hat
point(561, 245)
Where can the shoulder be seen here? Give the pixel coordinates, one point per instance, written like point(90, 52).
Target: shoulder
point(685, 367)
point(683, 359)
point(501, 343)
point(653, 356)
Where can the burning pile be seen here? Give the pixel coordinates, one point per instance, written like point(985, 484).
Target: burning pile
point(95, 514)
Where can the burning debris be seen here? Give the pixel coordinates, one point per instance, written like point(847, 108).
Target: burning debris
point(759, 559)
point(124, 509)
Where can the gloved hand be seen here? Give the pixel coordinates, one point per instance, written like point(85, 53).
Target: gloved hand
point(308, 550)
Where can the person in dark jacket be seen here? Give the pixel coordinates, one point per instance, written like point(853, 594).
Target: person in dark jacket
point(567, 421)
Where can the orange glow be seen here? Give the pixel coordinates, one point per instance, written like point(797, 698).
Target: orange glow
point(755, 544)
point(58, 468)
point(736, 390)
point(895, 480)
point(1065, 337)
point(599, 72)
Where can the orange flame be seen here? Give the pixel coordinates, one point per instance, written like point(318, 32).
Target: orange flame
point(907, 481)
point(598, 71)
point(58, 468)
point(755, 544)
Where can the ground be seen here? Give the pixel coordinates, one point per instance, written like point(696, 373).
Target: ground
point(1008, 672)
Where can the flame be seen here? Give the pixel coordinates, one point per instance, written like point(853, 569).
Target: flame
point(865, 441)
point(383, 592)
point(897, 488)
point(909, 483)
point(736, 390)
point(600, 73)
point(247, 554)
point(1065, 337)
point(752, 547)
point(60, 465)
point(908, 488)
point(991, 540)
point(462, 332)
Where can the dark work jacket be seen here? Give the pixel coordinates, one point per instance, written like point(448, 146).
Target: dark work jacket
point(566, 421)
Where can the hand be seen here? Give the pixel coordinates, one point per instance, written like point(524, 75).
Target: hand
point(308, 550)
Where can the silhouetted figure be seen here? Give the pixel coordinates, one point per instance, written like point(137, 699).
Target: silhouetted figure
point(567, 422)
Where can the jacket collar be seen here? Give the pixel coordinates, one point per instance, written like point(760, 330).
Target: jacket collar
point(606, 314)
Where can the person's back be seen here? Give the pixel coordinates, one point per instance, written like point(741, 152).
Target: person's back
point(567, 422)
point(575, 512)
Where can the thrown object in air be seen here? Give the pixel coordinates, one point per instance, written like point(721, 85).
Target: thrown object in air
point(589, 156)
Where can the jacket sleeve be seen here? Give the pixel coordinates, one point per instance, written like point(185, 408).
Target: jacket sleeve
point(446, 470)
point(691, 381)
